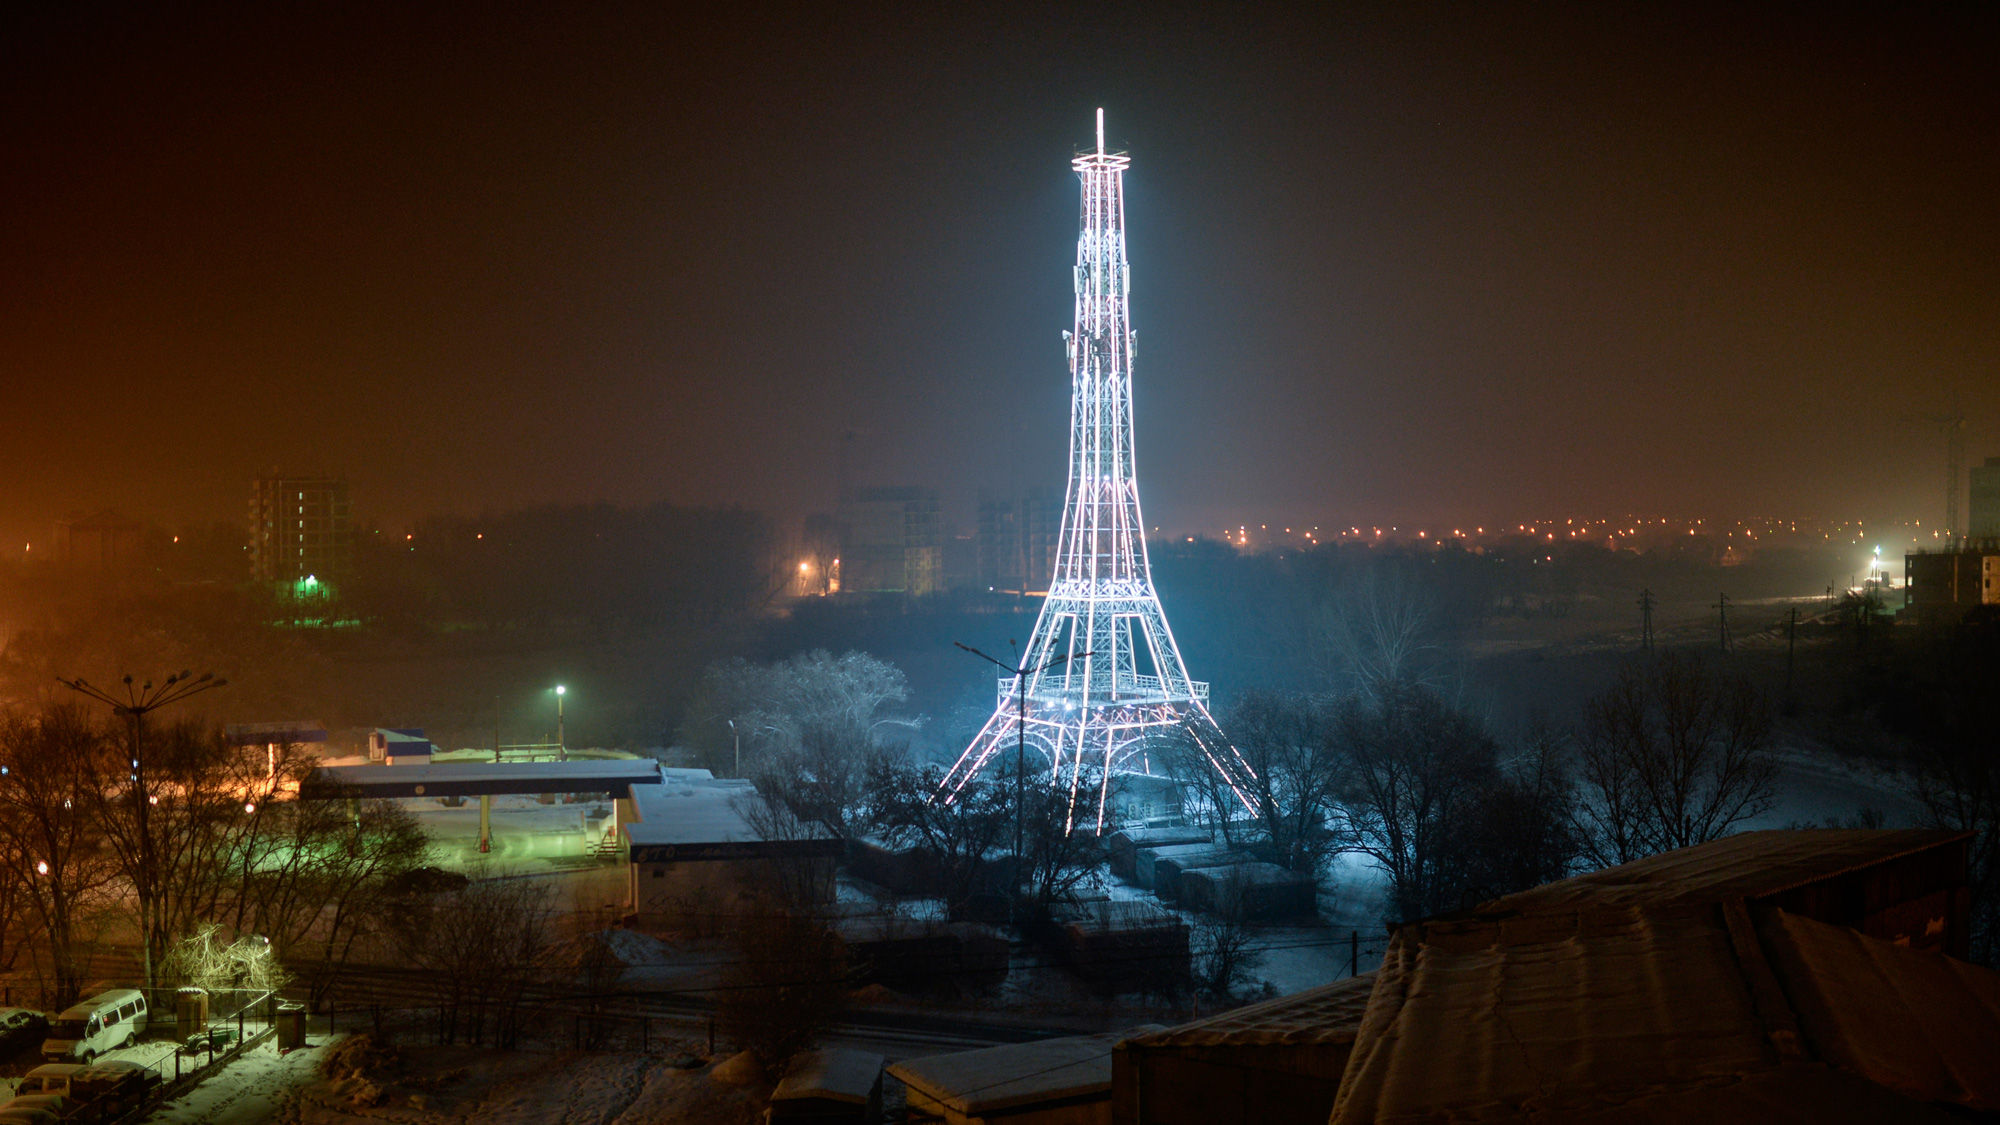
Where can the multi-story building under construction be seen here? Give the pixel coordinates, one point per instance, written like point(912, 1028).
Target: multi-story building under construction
point(301, 534)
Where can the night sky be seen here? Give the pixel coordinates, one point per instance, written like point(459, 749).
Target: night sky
point(1396, 262)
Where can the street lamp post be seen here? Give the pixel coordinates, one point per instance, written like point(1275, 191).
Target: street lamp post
point(736, 737)
point(136, 703)
point(562, 748)
point(1021, 675)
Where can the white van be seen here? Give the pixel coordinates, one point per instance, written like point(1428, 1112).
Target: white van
point(91, 1027)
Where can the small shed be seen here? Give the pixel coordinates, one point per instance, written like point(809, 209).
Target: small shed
point(833, 1086)
point(1250, 891)
point(1124, 945)
point(1064, 1081)
point(1274, 1063)
point(1121, 848)
point(1145, 864)
point(1167, 870)
point(907, 954)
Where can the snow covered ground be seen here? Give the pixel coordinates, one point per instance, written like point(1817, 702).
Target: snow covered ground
point(440, 1085)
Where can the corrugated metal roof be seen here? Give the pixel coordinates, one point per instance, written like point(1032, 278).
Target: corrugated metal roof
point(1330, 1013)
point(1747, 865)
point(1568, 1013)
point(1668, 1011)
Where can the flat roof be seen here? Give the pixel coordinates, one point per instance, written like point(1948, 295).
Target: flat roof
point(687, 814)
point(1016, 1074)
point(472, 779)
point(838, 1074)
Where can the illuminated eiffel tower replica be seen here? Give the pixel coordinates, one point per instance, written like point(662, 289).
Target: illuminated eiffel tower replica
point(1104, 678)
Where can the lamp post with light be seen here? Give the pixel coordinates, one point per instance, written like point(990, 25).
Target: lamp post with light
point(562, 748)
point(133, 704)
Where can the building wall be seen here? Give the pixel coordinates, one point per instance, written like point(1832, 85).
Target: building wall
point(702, 893)
point(1983, 520)
point(1018, 536)
point(300, 527)
point(1936, 581)
point(1250, 1084)
point(892, 542)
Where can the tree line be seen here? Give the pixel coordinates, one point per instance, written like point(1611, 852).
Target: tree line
point(92, 862)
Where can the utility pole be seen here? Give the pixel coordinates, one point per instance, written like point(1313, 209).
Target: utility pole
point(1791, 649)
point(1646, 619)
point(1721, 608)
point(1021, 675)
point(136, 703)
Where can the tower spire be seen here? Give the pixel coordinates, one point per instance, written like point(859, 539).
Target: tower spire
point(1109, 678)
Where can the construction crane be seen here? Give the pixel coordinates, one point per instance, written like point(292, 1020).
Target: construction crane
point(1952, 423)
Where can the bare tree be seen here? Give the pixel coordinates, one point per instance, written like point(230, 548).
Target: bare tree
point(1222, 943)
point(1292, 744)
point(957, 835)
point(315, 877)
point(786, 986)
point(774, 705)
point(1420, 768)
point(1670, 756)
point(1059, 855)
point(53, 847)
point(482, 947)
point(1383, 634)
point(796, 878)
point(1523, 830)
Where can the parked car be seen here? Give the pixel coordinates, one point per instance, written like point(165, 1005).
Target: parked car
point(48, 1078)
point(112, 1076)
point(20, 1028)
point(218, 1039)
point(54, 1103)
point(91, 1027)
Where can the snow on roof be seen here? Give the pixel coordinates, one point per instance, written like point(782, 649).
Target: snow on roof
point(1667, 1011)
point(1568, 1012)
point(840, 1074)
point(1017, 1074)
point(1913, 1020)
point(1328, 1014)
point(684, 808)
point(444, 779)
point(1748, 864)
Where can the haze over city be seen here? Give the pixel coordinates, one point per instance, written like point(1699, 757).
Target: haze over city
point(585, 563)
point(1399, 264)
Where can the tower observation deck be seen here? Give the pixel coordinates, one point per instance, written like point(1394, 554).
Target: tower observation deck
point(1106, 682)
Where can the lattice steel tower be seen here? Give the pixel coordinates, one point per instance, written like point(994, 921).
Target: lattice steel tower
point(1095, 715)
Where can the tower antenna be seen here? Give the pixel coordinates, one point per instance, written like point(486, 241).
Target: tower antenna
point(1100, 130)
